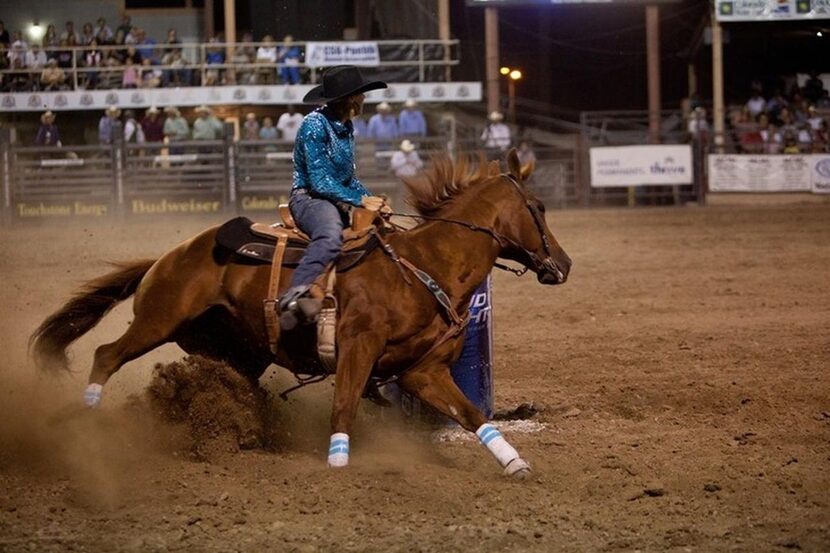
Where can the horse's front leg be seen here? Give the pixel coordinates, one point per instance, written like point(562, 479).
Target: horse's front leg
point(434, 385)
point(357, 354)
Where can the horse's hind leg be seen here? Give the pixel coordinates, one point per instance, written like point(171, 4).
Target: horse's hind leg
point(150, 329)
point(434, 386)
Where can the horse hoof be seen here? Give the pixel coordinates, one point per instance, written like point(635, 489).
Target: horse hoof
point(517, 468)
point(92, 395)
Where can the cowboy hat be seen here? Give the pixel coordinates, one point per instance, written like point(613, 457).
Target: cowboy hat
point(410, 103)
point(203, 109)
point(250, 116)
point(340, 82)
point(407, 146)
point(496, 116)
point(172, 109)
point(113, 109)
point(47, 115)
point(152, 109)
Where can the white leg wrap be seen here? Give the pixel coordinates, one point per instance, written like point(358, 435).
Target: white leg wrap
point(339, 450)
point(92, 395)
point(492, 439)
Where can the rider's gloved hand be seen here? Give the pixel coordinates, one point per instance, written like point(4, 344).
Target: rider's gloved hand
point(372, 203)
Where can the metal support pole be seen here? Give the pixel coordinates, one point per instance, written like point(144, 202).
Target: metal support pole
point(230, 30)
point(653, 63)
point(118, 155)
point(229, 147)
point(491, 42)
point(6, 160)
point(717, 83)
point(444, 34)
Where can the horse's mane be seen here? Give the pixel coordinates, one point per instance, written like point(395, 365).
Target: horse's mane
point(444, 180)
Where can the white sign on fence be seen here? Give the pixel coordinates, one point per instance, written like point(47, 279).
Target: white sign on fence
point(325, 54)
point(762, 173)
point(641, 165)
point(821, 173)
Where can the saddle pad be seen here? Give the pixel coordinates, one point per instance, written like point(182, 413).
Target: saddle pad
point(237, 236)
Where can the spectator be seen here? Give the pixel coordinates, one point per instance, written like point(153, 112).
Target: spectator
point(770, 136)
point(132, 54)
point(102, 32)
point(821, 139)
point(51, 40)
point(411, 120)
point(406, 162)
point(268, 130)
point(786, 122)
point(92, 58)
point(107, 124)
point(19, 80)
point(266, 56)
point(289, 123)
point(813, 88)
point(383, 127)
point(526, 154)
point(133, 133)
point(214, 55)
point(176, 128)
point(126, 26)
point(173, 43)
point(814, 120)
point(150, 76)
point(64, 56)
point(361, 128)
point(288, 57)
point(18, 49)
point(497, 135)
point(824, 101)
point(70, 31)
point(5, 39)
point(776, 104)
point(756, 103)
point(47, 133)
point(87, 35)
point(120, 38)
point(36, 58)
point(178, 74)
point(790, 144)
point(207, 126)
point(250, 129)
point(152, 126)
point(144, 45)
point(52, 77)
point(130, 77)
point(4, 59)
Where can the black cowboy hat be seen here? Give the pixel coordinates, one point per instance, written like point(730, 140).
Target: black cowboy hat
point(339, 82)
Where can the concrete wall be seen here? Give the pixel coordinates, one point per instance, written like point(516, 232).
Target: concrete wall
point(19, 15)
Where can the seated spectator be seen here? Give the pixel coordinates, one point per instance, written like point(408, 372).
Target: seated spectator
point(497, 135)
point(65, 56)
point(411, 121)
point(119, 38)
point(178, 74)
point(214, 55)
point(133, 132)
point(814, 120)
point(18, 49)
point(289, 123)
point(110, 76)
point(51, 39)
point(266, 56)
point(776, 104)
point(102, 32)
point(173, 44)
point(268, 130)
point(824, 101)
point(821, 139)
point(144, 44)
point(87, 35)
point(176, 128)
point(52, 77)
point(152, 126)
point(36, 58)
point(126, 27)
point(5, 38)
point(47, 133)
point(250, 129)
point(813, 87)
point(243, 75)
point(361, 128)
point(770, 136)
point(790, 144)
point(132, 54)
point(786, 122)
point(19, 80)
point(130, 77)
point(288, 56)
point(93, 57)
point(406, 162)
point(107, 124)
point(756, 103)
point(150, 76)
point(69, 30)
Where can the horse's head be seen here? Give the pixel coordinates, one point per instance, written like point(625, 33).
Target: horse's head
point(529, 240)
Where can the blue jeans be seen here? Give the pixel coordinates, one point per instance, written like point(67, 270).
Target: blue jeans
point(323, 222)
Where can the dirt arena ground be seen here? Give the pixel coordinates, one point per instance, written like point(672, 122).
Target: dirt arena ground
point(681, 376)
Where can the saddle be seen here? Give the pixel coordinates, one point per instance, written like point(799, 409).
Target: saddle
point(283, 245)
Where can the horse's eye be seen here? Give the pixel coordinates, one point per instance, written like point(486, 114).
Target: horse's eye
point(540, 206)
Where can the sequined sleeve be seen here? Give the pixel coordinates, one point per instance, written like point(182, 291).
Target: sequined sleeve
point(322, 156)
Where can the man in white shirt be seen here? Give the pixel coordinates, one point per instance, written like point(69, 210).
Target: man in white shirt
point(289, 123)
point(497, 135)
point(406, 162)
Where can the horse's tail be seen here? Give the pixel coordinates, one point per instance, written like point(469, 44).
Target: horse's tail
point(81, 313)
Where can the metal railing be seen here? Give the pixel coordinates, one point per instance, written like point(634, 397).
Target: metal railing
point(186, 64)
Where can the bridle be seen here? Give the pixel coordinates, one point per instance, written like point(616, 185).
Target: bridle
point(539, 264)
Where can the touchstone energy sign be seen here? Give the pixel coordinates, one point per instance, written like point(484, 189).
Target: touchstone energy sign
point(641, 165)
point(772, 10)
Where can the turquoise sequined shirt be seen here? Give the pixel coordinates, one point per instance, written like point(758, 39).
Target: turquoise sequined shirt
point(324, 158)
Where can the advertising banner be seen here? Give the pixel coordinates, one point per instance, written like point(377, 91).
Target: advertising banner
point(772, 10)
point(761, 173)
point(820, 164)
point(326, 54)
point(641, 165)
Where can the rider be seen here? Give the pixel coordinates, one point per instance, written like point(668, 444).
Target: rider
point(325, 188)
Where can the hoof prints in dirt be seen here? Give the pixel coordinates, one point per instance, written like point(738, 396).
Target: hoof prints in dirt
point(223, 410)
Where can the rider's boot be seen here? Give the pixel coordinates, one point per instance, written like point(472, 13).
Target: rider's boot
point(297, 307)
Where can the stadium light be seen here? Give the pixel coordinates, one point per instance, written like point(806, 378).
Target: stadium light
point(819, 34)
point(515, 74)
point(36, 31)
point(504, 70)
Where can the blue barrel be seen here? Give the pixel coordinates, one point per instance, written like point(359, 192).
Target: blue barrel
point(473, 372)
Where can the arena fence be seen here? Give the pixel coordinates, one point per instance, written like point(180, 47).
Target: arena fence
point(211, 176)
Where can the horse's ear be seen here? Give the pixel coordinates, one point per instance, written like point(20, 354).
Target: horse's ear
point(527, 170)
point(514, 165)
point(493, 168)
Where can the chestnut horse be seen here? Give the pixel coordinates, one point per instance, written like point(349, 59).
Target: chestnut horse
point(390, 325)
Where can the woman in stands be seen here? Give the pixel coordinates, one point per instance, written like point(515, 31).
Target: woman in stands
point(325, 187)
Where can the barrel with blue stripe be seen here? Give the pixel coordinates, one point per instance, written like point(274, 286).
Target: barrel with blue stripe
point(473, 371)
